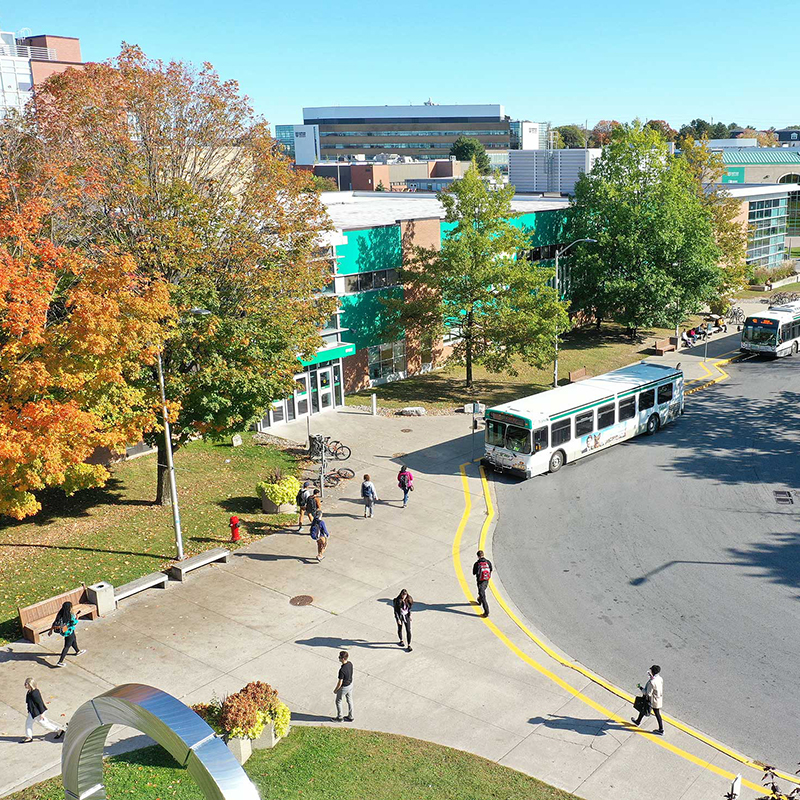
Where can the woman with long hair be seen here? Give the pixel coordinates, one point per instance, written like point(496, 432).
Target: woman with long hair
point(405, 482)
point(402, 616)
point(65, 624)
point(37, 712)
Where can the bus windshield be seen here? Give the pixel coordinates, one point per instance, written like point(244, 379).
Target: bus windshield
point(760, 331)
point(511, 437)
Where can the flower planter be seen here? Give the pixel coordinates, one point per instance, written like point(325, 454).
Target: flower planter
point(268, 739)
point(268, 507)
point(242, 749)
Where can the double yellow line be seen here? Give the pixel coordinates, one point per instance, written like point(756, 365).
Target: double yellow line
point(543, 670)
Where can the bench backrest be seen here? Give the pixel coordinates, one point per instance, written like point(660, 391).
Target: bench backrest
point(663, 342)
point(49, 608)
point(577, 374)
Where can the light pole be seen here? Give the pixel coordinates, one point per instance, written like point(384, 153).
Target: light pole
point(561, 253)
point(173, 490)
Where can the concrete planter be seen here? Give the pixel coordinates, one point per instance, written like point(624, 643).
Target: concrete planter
point(242, 749)
point(267, 740)
point(268, 507)
point(776, 284)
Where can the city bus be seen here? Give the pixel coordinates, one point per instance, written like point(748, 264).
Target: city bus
point(776, 331)
point(541, 433)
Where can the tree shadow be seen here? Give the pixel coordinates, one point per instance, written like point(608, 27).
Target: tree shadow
point(777, 559)
point(37, 546)
point(247, 504)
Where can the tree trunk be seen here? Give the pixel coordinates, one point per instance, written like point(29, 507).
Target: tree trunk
point(468, 351)
point(162, 480)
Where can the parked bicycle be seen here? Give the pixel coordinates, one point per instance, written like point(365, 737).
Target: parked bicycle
point(735, 315)
point(782, 298)
point(320, 444)
point(335, 477)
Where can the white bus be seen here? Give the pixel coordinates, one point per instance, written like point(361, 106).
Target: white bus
point(543, 432)
point(776, 331)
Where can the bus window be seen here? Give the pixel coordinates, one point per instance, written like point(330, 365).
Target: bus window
point(584, 423)
point(647, 399)
point(760, 331)
point(561, 431)
point(518, 440)
point(539, 439)
point(605, 416)
point(495, 433)
point(627, 408)
point(664, 393)
point(786, 333)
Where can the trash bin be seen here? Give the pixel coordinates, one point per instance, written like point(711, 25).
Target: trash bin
point(102, 595)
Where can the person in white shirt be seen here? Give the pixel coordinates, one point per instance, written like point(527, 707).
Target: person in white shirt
point(654, 690)
point(369, 496)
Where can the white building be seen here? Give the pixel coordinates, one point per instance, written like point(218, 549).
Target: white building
point(549, 170)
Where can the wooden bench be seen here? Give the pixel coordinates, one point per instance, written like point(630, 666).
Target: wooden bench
point(662, 346)
point(178, 570)
point(578, 375)
point(38, 618)
point(140, 584)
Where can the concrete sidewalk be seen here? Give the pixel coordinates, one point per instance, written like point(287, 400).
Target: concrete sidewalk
point(484, 688)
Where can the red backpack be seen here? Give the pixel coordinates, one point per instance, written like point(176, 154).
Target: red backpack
point(484, 571)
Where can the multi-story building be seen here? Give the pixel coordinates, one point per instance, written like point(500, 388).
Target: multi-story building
point(27, 61)
point(300, 143)
point(424, 132)
point(788, 137)
point(549, 170)
point(527, 135)
point(372, 233)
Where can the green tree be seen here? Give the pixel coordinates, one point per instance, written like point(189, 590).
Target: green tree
point(655, 259)
point(188, 184)
point(480, 283)
point(321, 183)
point(573, 136)
point(466, 148)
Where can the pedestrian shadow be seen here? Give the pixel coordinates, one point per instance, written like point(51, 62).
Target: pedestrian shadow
point(587, 727)
point(275, 557)
point(300, 717)
point(337, 643)
point(42, 658)
point(449, 608)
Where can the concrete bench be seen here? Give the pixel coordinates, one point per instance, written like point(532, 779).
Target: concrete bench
point(178, 570)
point(140, 584)
point(662, 346)
point(38, 618)
point(578, 375)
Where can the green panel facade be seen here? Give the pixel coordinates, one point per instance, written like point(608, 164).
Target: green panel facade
point(365, 315)
point(544, 226)
point(370, 249)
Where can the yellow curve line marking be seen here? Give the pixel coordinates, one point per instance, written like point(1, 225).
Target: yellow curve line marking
point(551, 675)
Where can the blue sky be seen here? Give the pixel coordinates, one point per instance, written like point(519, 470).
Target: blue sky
point(545, 61)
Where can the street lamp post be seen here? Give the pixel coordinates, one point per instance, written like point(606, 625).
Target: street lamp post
point(561, 253)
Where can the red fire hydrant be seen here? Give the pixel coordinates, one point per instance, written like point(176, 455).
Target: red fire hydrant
point(235, 536)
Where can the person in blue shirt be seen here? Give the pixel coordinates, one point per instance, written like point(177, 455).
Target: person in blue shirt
point(65, 624)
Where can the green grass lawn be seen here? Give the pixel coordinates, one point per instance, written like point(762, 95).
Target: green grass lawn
point(749, 293)
point(598, 351)
point(327, 764)
point(116, 533)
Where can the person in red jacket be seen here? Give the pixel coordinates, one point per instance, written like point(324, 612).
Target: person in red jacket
point(405, 481)
point(482, 570)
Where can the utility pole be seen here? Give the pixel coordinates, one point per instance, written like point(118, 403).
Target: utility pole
point(173, 492)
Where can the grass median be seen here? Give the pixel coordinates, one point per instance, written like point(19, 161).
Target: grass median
point(116, 534)
point(317, 763)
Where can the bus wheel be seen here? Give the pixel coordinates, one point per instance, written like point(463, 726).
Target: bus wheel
point(653, 424)
point(557, 460)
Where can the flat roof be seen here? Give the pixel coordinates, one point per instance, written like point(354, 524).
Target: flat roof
point(494, 110)
point(743, 190)
point(350, 210)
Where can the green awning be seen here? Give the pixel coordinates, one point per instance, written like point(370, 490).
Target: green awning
point(338, 350)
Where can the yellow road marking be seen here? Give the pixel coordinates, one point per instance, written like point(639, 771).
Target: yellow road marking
point(586, 673)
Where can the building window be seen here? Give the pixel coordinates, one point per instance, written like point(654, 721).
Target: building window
point(366, 281)
point(386, 360)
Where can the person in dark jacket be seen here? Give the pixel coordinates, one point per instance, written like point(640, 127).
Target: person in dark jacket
point(37, 712)
point(65, 624)
point(482, 570)
point(402, 616)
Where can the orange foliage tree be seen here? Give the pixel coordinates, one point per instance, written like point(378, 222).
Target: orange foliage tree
point(185, 180)
point(74, 331)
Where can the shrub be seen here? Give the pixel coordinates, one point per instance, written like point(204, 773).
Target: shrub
point(246, 713)
point(720, 305)
point(761, 275)
point(210, 712)
point(279, 493)
point(274, 475)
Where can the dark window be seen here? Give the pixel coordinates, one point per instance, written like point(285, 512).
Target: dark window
point(518, 440)
point(584, 423)
point(351, 283)
point(664, 393)
point(561, 431)
point(495, 433)
point(786, 333)
point(539, 439)
point(627, 408)
point(366, 281)
point(647, 399)
point(605, 416)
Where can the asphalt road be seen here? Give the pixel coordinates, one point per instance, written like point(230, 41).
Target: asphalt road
point(672, 550)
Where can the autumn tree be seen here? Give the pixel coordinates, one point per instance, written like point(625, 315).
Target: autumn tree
point(668, 133)
point(75, 331)
point(189, 185)
point(480, 284)
point(600, 135)
point(766, 138)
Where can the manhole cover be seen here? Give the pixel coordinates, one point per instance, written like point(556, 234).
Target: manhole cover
point(302, 600)
point(783, 498)
point(405, 430)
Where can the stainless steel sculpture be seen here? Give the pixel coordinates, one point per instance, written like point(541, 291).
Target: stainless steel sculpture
point(181, 732)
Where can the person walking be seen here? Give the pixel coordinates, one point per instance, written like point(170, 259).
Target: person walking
point(319, 530)
point(344, 688)
point(482, 570)
point(37, 712)
point(368, 495)
point(402, 616)
point(65, 624)
point(305, 492)
point(405, 480)
point(654, 691)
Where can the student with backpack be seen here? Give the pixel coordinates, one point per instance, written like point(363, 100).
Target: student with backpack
point(482, 570)
point(319, 531)
point(65, 624)
point(306, 490)
point(368, 495)
point(405, 481)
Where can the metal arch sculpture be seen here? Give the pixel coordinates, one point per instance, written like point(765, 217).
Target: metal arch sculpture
point(179, 730)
